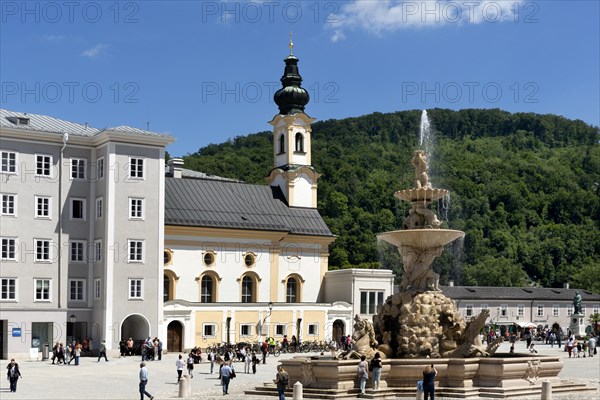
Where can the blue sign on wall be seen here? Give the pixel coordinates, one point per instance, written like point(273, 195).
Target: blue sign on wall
point(16, 332)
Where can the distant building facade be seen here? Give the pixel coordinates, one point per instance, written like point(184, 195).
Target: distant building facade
point(519, 307)
point(81, 227)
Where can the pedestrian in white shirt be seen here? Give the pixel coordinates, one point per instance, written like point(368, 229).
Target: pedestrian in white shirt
point(180, 364)
point(211, 359)
point(247, 360)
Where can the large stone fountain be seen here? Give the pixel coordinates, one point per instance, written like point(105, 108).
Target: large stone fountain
point(419, 326)
point(420, 321)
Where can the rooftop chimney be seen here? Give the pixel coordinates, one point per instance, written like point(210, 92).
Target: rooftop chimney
point(451, 283)
point(175, 167)
point(566, 285)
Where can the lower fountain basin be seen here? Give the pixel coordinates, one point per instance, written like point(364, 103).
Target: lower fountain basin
point(498, 376)
point(421, 238)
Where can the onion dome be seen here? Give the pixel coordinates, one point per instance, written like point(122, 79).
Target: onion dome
point(291, 98)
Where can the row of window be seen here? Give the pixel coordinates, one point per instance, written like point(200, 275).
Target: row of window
point(369, 300)
point(77, 207)
point(210, 330)
point(249, 286)
point(79, 167)
point(540, 311)
point(298, 141)
point(77, 288)
point(78, 250)
point(209, 258)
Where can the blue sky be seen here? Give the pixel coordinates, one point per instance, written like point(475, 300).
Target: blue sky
point(205, 71)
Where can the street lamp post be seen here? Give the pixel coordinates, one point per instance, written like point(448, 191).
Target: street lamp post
point(262, 323)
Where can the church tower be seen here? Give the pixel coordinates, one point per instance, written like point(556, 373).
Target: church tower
point(291, 140)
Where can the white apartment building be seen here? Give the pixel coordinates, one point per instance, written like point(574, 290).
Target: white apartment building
point(81, 230)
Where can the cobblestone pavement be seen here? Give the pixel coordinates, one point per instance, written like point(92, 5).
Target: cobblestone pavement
point(118, 378)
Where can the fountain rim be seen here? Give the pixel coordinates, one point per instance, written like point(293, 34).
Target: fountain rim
point(421, 194)
point(421, 238)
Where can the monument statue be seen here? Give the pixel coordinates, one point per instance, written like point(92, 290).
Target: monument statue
point(364, 342)
point(577, 303)
point(419, 161)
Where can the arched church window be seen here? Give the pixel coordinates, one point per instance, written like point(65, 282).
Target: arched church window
point(169, 285)
point(167, 289)
point(291, 291)
point(247, 290)
point(207, 289)
point(299, 143)
point(281, 144)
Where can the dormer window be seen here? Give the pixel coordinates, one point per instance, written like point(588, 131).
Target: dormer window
point(299, 143)
point(19, 120)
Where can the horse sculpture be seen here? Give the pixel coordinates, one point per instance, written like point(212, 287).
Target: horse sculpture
point(363, 339)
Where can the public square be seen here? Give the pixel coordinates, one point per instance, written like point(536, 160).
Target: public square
point(118, 378)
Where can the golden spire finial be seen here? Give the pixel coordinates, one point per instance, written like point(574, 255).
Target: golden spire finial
point(291, 44)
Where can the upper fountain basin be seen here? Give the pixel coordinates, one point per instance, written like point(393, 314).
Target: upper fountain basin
point(422, 194)
point(421, 238)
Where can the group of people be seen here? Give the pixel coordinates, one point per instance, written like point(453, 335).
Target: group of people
point(152, 349)
point(581, 348)
point(65, 355)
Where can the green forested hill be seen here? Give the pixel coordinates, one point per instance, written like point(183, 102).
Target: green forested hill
point(524, 187)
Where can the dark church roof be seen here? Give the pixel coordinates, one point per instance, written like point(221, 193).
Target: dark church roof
point(235, 205)
point(490, 293)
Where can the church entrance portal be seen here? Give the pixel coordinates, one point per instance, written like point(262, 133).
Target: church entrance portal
point(174, 336)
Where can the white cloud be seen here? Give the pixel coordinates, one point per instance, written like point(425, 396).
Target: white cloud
point(381, 16)
point(52, 38)
point(94, 51)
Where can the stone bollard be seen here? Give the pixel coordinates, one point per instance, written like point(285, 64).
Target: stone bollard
point(184, 387)
point(298, 395)
point(188, 386)
point(546, 390)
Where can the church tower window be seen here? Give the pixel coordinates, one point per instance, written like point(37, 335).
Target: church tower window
point(299, 143)
point(281, 144)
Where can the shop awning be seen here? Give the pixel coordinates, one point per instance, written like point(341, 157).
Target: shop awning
point(527, 324)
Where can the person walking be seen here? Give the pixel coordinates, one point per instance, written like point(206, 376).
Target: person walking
point(102, 351)
point(77, 354)
point(144, 381)
point(247, 361)
point(281, 380)
point(55, 353)
point(376, 368)
point(13, 374)
point(264, 348)
point(255, 361)
point(179, 364)
point(211, 358)
point(72, 348)
point(226, 374)
point(160, 349)
point(570, 344)
point(130, 347)
point(591, 346)
point(429, 382)
point(190, 365)
point(363, 374)
point(528, 338)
